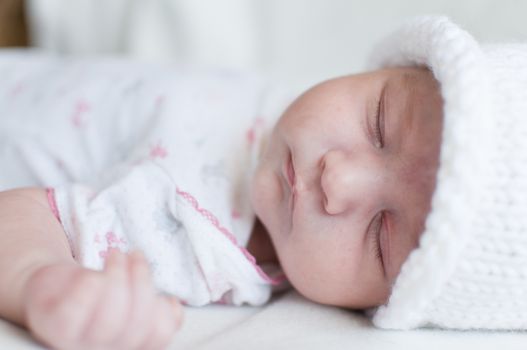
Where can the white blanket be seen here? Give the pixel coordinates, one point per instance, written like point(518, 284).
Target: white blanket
point(148, 157)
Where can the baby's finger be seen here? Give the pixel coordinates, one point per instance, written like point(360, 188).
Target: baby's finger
point(109, 318)
point(168, 318)
point(142, 296)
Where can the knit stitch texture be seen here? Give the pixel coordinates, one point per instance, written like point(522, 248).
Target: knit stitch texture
point(469, 270)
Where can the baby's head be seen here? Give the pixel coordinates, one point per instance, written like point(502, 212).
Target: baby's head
point(361, 152)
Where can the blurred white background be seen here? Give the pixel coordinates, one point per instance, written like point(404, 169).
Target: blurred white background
point(299, 42)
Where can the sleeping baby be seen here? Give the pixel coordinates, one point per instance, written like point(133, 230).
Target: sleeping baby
point(131, 189)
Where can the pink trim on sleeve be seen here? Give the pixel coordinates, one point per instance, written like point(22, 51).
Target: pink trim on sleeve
point(214, 220)
point(50, 191)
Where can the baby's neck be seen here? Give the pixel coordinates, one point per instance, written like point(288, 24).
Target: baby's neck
point(260, 245)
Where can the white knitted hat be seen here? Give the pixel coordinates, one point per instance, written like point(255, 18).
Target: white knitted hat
point(470, 267)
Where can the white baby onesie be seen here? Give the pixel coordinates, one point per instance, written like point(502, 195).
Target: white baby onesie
point(136, 155)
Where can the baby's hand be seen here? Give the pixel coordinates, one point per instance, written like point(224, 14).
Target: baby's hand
point(70, 307)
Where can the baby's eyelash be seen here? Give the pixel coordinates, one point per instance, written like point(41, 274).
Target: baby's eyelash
point(375, 234)
point(379, 122)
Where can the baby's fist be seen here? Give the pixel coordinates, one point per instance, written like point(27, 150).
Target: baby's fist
point(69, 307)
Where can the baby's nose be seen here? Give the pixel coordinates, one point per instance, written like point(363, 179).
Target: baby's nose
point(346, 180)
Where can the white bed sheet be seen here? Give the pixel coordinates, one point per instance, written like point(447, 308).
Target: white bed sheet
point(291, 322)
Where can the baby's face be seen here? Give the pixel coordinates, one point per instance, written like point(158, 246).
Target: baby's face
point(361, 153)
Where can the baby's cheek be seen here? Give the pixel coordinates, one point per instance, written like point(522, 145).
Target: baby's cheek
point(263, 197)
point(311, 266)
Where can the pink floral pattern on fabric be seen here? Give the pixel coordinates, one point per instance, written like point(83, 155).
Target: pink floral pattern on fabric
point(78, 116)
point(158, 151)
point(110, 241)
point(235, 214)
point(253, 131)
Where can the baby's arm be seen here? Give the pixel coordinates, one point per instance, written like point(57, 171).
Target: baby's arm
point(67, 306)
